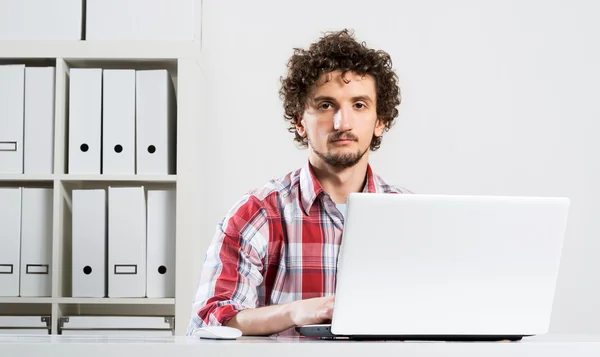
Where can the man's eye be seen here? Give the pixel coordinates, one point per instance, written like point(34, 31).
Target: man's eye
point(325, 106)
point(359, 105)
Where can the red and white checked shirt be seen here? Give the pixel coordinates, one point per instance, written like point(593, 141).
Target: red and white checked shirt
point(278, 244)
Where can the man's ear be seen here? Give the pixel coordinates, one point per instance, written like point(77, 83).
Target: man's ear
point(300, 127)
point(379, 128)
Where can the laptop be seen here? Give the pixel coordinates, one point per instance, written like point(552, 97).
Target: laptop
point(446, 267)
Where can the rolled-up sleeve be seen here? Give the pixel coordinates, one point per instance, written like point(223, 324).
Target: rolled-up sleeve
point(233, 266)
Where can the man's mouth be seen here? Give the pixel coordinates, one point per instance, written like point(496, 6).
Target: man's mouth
point(343, 140)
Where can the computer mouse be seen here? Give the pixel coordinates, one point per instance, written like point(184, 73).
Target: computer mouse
point(218, 332)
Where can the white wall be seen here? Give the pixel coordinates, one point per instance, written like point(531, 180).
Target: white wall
point(499, 97)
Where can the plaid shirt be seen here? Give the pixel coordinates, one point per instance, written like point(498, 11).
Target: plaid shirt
point(278, 244)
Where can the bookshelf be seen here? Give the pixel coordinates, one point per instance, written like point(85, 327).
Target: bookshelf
point(183, 60)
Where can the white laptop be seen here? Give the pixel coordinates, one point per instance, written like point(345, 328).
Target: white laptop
point(446, 267)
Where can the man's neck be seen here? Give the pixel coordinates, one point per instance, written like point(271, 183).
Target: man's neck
point(339, 183)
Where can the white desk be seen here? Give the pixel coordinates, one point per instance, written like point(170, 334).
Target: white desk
point(77, 346)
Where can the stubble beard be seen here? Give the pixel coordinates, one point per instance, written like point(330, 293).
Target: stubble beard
point(339, 161)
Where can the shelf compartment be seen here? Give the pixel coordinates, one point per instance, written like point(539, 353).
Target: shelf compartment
point(13, 306)
point(125, 309)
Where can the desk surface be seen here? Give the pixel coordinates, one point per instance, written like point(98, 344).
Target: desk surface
point(92, 346)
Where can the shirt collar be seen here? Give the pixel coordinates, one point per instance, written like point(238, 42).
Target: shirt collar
point(310, 188)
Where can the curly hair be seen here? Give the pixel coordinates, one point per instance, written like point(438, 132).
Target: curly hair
point(339, 51)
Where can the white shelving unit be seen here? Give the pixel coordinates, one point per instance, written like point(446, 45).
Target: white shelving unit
point(183, 60)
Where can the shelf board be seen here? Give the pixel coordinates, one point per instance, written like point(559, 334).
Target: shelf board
point(87, 301)
point(99, 49)
point(85, 178)
point(116, 301)
point(26, 178)
point(26, 300)
point(119, 178)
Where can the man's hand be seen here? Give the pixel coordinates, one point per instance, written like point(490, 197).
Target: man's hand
point(272, 319)
point(312, 311)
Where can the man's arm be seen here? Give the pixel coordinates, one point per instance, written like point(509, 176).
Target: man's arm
point(232, 271)
point(276, 318)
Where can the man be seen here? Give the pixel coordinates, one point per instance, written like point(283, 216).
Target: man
point(272, 263)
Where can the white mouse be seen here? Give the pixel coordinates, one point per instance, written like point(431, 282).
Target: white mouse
point(218, 332)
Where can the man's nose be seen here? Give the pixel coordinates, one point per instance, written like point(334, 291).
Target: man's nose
point(342, 120)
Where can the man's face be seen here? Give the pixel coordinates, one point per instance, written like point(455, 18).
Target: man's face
point(341, 118)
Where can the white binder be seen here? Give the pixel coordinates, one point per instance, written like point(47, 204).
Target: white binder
point(118, 122)
point(24, 20)
point(126, 242)
point(120, 333)
point(10, 240)
point(116, 322)
point(39, 120)
point(12, 93)
point(85, 120)
point(16, 321)
point(36, 242)
point(24, 332)
point(24, 325)
point(160, 272)
point(89, 243)
point(140, 20)
point(116, 326)
point(155, 123)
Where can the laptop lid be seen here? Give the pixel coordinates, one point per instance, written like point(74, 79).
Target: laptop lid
point(448, 265)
